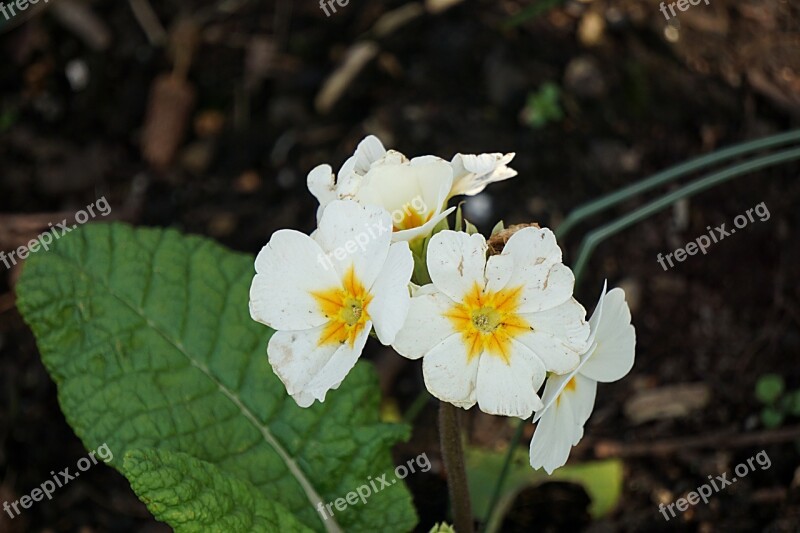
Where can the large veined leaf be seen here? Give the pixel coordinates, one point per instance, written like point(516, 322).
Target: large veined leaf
point(195, 496)
point(148, 336)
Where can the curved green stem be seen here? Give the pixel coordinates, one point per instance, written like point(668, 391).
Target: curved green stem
point(597, 236)
point(498, 488)
point(670, 174)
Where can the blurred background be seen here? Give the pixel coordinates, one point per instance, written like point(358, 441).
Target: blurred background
point(207, 115)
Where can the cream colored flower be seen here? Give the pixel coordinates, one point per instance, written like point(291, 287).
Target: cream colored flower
point(323, 294)
point(415, 192)
point(569, 399)
point(489, 331)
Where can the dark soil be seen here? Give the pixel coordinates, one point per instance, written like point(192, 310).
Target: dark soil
point(638, 95)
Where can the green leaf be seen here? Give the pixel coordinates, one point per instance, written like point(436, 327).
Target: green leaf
point(769, 387)
point(794, 404)
point(497, 228)
point(771, 418)
point(470, 227)
point(459, 226)
point(543, 106)
point(602, 481)
point(196, 496)
point(148, 336)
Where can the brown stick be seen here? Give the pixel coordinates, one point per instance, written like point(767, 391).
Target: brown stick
point(453, 457)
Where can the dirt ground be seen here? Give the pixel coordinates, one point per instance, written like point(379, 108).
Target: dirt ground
point(261, 92)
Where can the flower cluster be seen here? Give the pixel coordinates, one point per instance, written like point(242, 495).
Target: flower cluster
point(490, 328)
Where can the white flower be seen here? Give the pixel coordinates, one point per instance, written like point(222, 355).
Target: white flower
point(414, 192)
point(324, 293)
point(569, 399)
point(472, 173)
point(489, 331)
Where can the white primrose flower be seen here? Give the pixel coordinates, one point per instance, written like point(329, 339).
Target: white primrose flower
point(489, 331)
point(569, 399)
point(472, 173)
point(414, 191)
point(324, 293)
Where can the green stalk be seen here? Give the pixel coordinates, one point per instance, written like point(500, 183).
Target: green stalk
point(670, 174)
point(597, 236)
point(453, 458)
point(498, 488)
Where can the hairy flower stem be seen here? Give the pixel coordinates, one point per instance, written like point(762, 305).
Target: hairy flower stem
point(453, 456)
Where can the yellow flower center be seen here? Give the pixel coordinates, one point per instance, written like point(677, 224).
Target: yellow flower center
point(488, 321)
point(346, 308)
point(412, 217)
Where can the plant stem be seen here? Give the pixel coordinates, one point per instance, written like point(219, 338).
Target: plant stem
point(597, 236)
point(498, 488)
point(453, 456)
point(665, 176)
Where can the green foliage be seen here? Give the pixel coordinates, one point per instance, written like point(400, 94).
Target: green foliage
point(419, 250)
point(462, 224)
point(602, 481)
point(442, 528)
point(771, 417)
point(195, 496)
point(148, 336)
point(778, 402)
point(769, 387)
point(543, 106)
point(500, 226)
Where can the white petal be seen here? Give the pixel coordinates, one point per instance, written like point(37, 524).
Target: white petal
point(582, 399)
point(391, 298)
point(509, 389)
point(566, 322)
point(538, 269)
point(554, 388)
point(448, 373)
point(336, 369)
point(421, 231)
point(472, 173)
point(354, 234)
point(369, 150)
point(321, 184)
point(397, 186)
point(499, 269)
point(456, 261)
point(556, 356)
point(288, 269)
point(309, 370)
point(615, 341)
point(553, 438)
point(426, 325)
point(594, 321)
point(585, 389)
